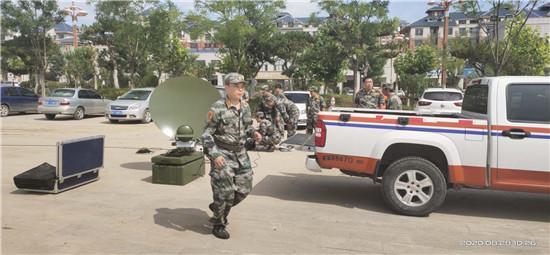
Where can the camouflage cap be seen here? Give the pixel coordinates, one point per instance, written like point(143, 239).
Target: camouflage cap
point(233, 78)
point(314, 89)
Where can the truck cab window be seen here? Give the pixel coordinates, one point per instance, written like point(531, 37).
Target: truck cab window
point(528, 103)
point(475, 99)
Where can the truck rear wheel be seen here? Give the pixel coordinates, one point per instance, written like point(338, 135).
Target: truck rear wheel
point(413, 186)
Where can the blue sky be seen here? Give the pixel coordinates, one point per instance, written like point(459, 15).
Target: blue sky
point(409, 11)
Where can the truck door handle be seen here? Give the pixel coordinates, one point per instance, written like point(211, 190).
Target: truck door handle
point(516, 133)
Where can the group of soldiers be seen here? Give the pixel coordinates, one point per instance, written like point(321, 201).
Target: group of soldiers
point(370, 98)
point(229, 125)
point(275, 114)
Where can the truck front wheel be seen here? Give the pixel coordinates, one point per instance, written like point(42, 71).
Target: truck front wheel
point(413, 186)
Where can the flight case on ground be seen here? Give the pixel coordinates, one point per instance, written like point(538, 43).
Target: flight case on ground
point(78, 163)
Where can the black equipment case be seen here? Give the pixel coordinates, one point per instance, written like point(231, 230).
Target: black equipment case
point(78, 163)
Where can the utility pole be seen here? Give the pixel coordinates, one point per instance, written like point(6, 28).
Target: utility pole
point(445, 4)
point(75, 11)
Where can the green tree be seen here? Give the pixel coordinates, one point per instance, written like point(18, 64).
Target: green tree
point(16, 58)
point(288, 47)
point(79, 67)
point(244, 28)
point(325, 61)
point(412, 67)
point(529, 52)
point(168, 56)
point(507, 22)
point(358, 25)
point(33, 19)
point(122, 27)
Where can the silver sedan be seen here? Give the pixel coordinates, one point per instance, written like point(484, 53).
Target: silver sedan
point(132, 105)
point(77, 102)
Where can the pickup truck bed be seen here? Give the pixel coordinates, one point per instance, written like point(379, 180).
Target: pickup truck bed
point(499, 141)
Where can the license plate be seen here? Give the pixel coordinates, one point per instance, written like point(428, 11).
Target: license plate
point(51, 102)
point(116, 112)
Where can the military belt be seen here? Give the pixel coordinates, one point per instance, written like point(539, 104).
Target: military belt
point(229, 147)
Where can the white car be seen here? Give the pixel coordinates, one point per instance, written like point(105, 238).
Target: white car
point(132, 105)
point(300, 99)
point(439, 101)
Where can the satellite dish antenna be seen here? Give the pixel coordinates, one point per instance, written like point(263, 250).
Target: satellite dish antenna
point(179, 107)
point(182, 101)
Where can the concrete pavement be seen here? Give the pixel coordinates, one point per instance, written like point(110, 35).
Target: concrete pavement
point(290, 210)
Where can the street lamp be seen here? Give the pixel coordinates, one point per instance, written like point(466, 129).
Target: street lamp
point(445, 4)
point(74, 12)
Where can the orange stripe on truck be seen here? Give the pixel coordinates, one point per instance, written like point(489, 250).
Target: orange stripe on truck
point(470, 176)
point(345, 162)
point(418, 121)
point(520, 180)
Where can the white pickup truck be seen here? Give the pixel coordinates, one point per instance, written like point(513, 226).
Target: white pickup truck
point(500, 140)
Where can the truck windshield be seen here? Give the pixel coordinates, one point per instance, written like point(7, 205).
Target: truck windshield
point(136, 95)
point(297, 98)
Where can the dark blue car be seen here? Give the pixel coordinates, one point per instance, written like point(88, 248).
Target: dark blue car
point(17, 99)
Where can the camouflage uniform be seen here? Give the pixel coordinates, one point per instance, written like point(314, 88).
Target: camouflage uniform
point(279, 107)
point(271, 132)
point(371, 99)
point(394, 102)
point(313, 107)
point(293, 114)
point(274, 116)
point(225, 134)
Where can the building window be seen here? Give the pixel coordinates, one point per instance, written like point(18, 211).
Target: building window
point(418, 31)
point(462, 31)
point(417, 43)
point(472, 30)
point(265, 67)
point(473, 21)
point(462, 21)
point(450, 32)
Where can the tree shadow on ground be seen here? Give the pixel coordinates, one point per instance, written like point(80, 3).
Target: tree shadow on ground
point(356, 192)
point(183, 219)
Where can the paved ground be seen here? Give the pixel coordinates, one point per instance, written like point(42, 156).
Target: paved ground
point(290, 209)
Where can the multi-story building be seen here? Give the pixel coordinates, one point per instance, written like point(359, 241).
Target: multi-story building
point(429, 29)
point(540, 20)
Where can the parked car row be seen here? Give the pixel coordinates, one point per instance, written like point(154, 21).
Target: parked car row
point(78, 103)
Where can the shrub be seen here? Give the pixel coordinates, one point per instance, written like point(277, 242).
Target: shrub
point(112, 93)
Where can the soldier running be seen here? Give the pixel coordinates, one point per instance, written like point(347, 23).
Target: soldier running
point(229, 124)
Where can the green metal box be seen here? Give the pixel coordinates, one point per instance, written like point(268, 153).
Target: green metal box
point(177, 170)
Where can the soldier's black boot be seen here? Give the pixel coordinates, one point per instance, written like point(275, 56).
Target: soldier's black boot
point(220, 232)
point(212, 208)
